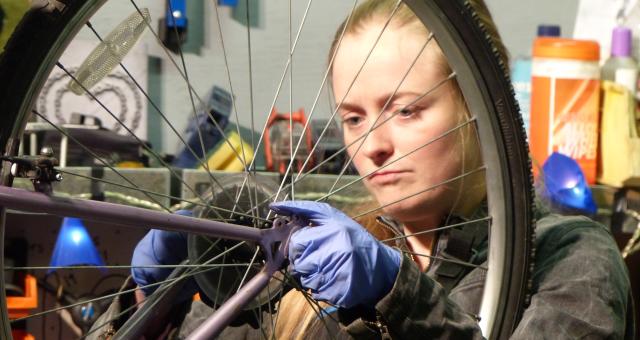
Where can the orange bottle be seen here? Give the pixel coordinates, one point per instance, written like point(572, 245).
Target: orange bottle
point(565, 94)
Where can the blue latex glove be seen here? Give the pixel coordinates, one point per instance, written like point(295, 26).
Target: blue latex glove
point(336, 258)
point(160, 247)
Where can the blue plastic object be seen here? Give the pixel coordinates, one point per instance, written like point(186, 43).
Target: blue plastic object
point(231, 3)
point(177, 13)
point(565, 184)
point(74, 246)
point(336, 258)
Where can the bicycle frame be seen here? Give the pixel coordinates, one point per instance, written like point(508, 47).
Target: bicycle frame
point(273, 241)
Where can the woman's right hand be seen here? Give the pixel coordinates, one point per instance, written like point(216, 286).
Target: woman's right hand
point(336, 258)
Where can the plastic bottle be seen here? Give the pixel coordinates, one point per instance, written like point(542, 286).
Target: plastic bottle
point(621, 67)
point(565, 96)
point(619, 142)
point(521, 76)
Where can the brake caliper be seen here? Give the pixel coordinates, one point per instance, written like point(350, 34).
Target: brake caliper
point(39, 169)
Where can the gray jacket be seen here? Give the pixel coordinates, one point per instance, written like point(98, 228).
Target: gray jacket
point(580, 290)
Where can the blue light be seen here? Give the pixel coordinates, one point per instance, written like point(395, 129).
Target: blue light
point(565, 185)
point(74, 246)
point(76, 236)
point(176, 14)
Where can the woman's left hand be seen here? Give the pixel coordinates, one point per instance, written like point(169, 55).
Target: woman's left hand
point(336, 258)
point(160, 247)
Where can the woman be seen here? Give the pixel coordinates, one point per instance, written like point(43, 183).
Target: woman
point(580, 288)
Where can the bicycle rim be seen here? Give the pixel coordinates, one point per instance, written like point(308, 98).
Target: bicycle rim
point(45, 33)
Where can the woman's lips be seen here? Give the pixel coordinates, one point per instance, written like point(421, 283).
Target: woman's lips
point(386, 177)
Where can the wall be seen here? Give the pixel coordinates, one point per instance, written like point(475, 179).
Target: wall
point(206, 66)
point(517, 20)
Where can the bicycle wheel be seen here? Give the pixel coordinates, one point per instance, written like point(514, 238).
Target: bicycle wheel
point(43, 54)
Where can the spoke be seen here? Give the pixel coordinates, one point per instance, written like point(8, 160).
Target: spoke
point(462, 263)
point(220, 265)
point(252, 212)
point(431, 230)
point(322, 84)
point(235, 107)
point(195, 93)
point(284, 73)
point(108, 296)
point(453, 179)
point(228, 72)
point(164, 195)
point(433, 140)
point(272, 324)
point(65, 133)
point(244, 277)
point(275, 97)
point(104, 297)
point(251, 169)
point(291, 154)
point(224, 257)
point(205, 163)
point(250, 61)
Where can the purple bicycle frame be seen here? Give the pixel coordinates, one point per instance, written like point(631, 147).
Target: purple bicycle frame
point(19, 199)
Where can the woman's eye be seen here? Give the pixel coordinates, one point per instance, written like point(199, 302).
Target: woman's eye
point(406, 112)
point(352, 121)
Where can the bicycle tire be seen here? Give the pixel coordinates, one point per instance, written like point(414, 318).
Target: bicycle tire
point(475, 44)
point(41, 36)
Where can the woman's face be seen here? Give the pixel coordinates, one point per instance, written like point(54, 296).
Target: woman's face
point(397, 144)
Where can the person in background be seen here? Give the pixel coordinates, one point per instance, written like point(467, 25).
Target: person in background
point(580, 285)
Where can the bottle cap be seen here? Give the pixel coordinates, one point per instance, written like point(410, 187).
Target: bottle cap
point(621, 42)
point(548, 30)
point(546, 47)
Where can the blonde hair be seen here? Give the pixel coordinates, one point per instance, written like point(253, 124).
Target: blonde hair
point(300, 315)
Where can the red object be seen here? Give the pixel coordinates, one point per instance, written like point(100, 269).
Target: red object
point(19, 306)
point(277, 150)
point(19, 334)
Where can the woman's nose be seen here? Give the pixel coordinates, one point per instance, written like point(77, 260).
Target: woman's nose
point(378, 144)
